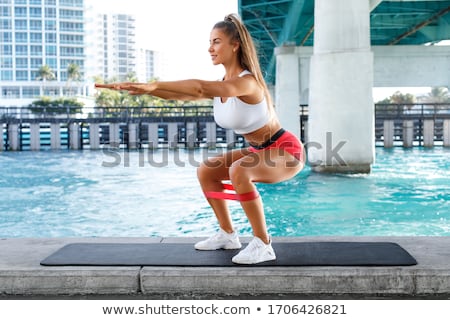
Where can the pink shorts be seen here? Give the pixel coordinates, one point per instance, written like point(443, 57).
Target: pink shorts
point(284, 140)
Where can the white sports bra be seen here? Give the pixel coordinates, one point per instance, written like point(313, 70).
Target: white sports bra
point(239, 116)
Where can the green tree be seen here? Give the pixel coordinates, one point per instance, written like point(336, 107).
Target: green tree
point(438, 95)
point(45, 73)
point(401, 98)
point(73, 74)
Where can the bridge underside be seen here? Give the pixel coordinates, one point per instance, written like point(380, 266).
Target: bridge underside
point(277, 23)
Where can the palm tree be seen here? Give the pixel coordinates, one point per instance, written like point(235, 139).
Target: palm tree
point(73, 74)
point(45, 73)
point(438, 95)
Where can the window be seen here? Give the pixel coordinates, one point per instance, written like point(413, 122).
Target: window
point(31, 92)
point(71, 3)
point(71, 14)
point(6, 37)
point(50, 12)
point(50, 37)
point(35, 25)
point(65, 63)
point(21, 24)
point(52, 63)
point(35, 2)
point(36, 51)
point(50, 2)
point(6, 62)
point(21, 63)
point(5, 12)
point(35, 12)
point(71, 26)
point(5, 24)
point(34, 75)
point(21, 37)
point(70, 52)
point(20, 11)
point(36, 63)
point(6, 50)
point(21, 50)
point(22, 75)
point(35, 37)
point(10, 92)
point(71, 39)
point(6, 75)
point(50, 25)
point(50, 50)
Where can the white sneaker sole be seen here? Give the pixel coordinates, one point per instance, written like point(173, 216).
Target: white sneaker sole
point(238, 260)
point(225, 247)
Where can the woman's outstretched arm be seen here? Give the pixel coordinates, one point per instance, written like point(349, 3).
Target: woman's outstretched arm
point(192, 89)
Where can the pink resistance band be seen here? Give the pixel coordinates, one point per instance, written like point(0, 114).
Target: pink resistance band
point(232, 195)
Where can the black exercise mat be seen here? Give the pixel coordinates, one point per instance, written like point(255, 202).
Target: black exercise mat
point(288, 254)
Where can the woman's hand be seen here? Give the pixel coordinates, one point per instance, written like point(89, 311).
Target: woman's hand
point(140, 88)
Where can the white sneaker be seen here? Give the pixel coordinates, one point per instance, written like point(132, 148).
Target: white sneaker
point(255, 252)
point(221, 240)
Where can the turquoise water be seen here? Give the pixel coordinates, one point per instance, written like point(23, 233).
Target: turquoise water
point(104, 193)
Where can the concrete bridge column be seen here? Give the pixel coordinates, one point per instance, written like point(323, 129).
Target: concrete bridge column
point(13, 137)
point(133, 136)
point(341, 112)
point(408, 133)
point(114, 135)
point(74, 133)
point(1, 137)
point(428, 133)
point(94, 136)
point(211, 135)
point(55, 136)
point(446, 133)
point(191, 134)
point(153, 136)
point(172, 133)
point(231, 139)
point(388, 133)
point(287, 89)
point(35, 137)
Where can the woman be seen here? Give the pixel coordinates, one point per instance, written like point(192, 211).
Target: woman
point(241, 102)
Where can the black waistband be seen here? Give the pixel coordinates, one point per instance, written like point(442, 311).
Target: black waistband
point(271, 140)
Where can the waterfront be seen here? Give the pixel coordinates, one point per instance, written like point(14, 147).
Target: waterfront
point(140, 194)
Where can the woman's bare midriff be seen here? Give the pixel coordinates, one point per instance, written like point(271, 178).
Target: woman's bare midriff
point(263, 134)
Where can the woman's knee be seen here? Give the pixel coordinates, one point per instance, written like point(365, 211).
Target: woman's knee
point(239, 174)
point(203, 172)
point(209, 170)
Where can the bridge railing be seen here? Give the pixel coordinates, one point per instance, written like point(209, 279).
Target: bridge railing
point(405, 124)
point(68, 112)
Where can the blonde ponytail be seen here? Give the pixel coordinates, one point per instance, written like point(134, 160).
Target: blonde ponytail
point(248, 57)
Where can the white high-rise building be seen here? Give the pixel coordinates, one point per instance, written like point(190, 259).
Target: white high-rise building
point(110, 45)
point(57, 33)
point(150, 65)
point(119, 40)
point(37, 33)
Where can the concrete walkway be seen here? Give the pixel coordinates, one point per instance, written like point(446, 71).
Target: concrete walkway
point(21, 275)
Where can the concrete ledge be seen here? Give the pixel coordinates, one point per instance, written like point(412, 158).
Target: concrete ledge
point(21, 275)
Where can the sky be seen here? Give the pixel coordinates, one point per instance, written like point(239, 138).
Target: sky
point(179, 29)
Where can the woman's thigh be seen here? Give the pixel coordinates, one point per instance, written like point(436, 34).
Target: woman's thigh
point(267, 166)
point(217, 167)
